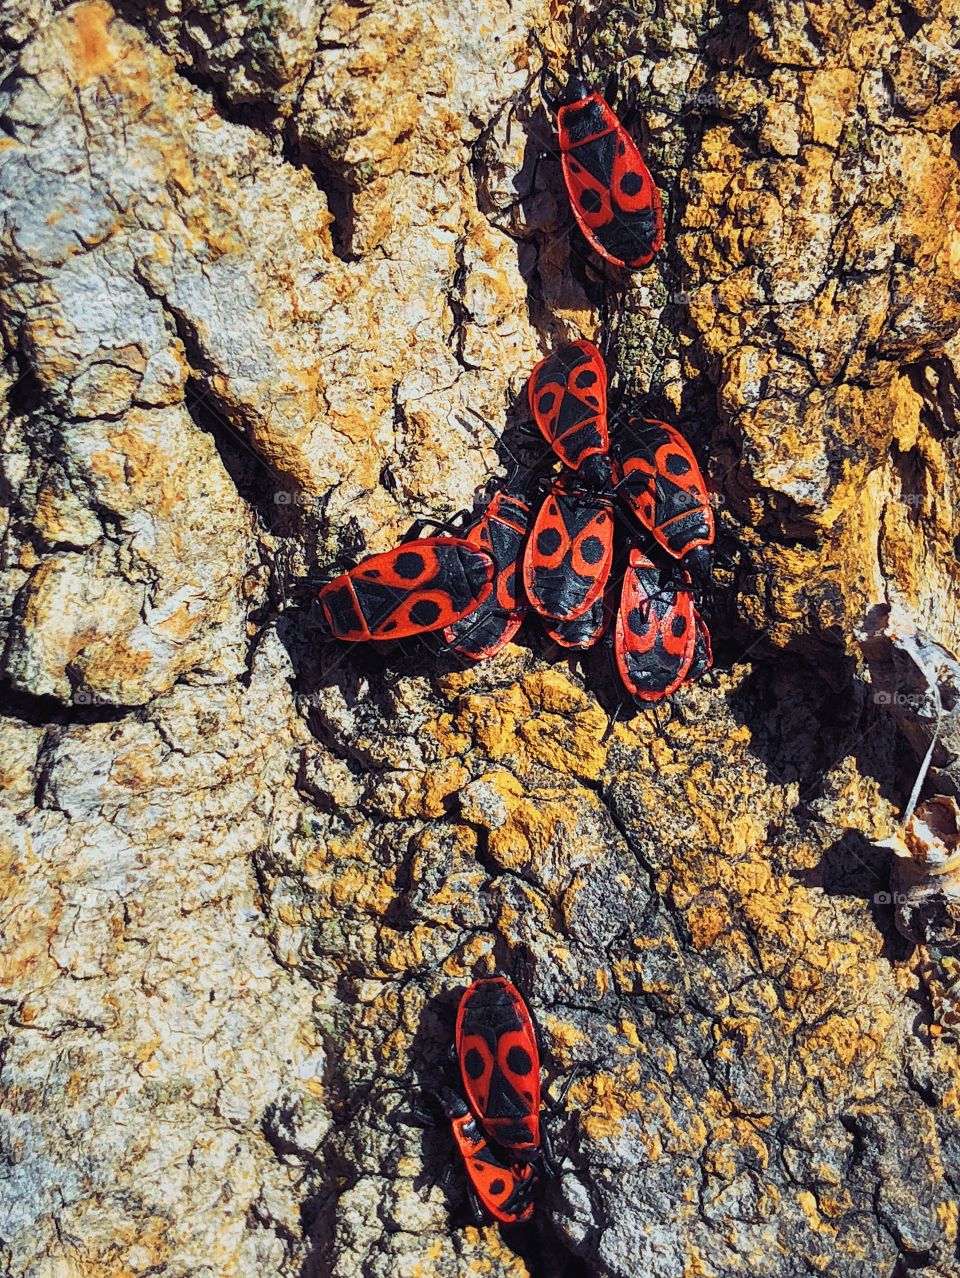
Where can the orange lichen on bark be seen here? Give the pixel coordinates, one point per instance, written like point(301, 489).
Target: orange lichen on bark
point(543, 720)
point(91, 40)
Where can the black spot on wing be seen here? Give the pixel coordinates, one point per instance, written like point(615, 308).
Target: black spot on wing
point(473, 1063)
point(592, 550)
point(631, 184)
point(409, 565)
point(425, 612)
point(548, 541)
point(518, 1059)
point(637, 621)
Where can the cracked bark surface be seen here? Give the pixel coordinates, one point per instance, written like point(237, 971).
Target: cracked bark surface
point(255, 264)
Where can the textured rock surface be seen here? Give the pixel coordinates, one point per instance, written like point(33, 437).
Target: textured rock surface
point(255, 263)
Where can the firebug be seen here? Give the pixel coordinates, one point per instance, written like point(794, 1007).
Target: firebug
point(416, 587)
point(496, 1047)
point(567, 392)
point(505, 1191)
point(500, 532)
point(658, 476)
point(657, 631)
point(614, 198)
point(568, 556)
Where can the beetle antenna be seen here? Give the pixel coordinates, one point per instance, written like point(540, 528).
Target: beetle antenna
point(613, 721)
point(499, 438)
point(602, 17)
point(551, 99)
point(577, 42)
point(581, 41)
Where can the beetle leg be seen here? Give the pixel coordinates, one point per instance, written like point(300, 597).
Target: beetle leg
point(577, 1073)
point(423, 522)
point(631, 109)
point(479, 1215)
point(613, 722)
point(542, 155)
point(427, 1112)
point(552, 100)
point(547, 1159)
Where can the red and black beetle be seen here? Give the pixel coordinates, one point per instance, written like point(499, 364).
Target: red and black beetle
point(568, 556)
point(506, 1192)
point(658, 476)
point(499, 532)
point(613, 196)
point(414, 588)
point(567, 392)
point(660, 640)
point(496, 1046)
point(498, 1129)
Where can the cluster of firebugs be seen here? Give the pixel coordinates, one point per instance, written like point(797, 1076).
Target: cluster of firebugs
point(557, 560)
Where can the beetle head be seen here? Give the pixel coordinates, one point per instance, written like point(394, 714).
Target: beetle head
point(575, 90)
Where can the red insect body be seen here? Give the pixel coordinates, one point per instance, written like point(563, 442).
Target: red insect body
point(567, 560)
point(568, 399)
point(656, 631)
point(497, 1051)
point(614, 198)
point(415, 587)
point(500, 533)
point(658, 475)
point(505, 1192)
